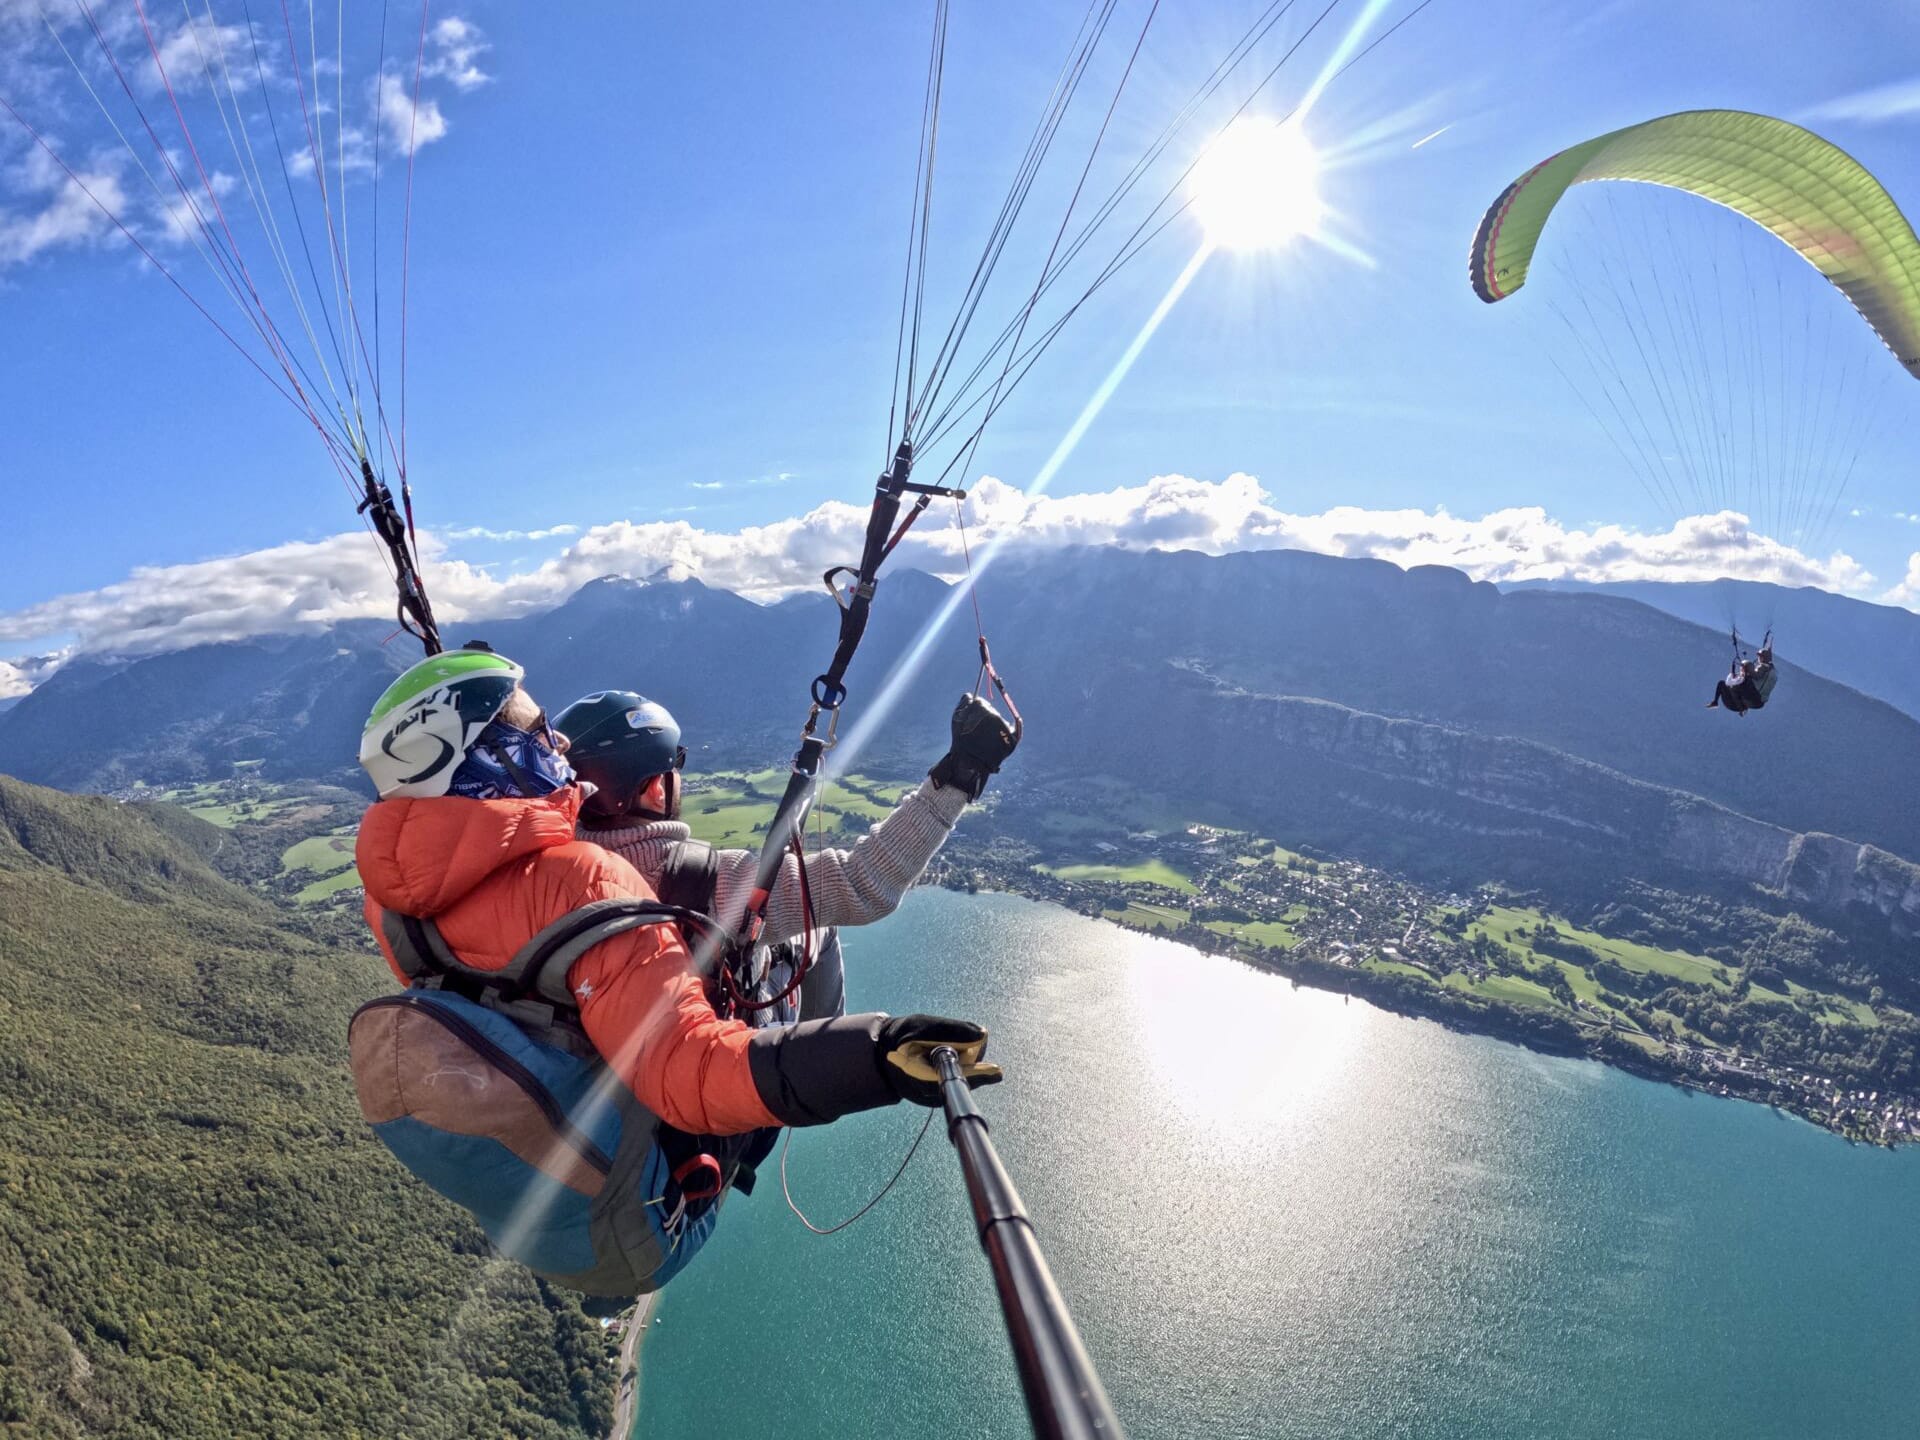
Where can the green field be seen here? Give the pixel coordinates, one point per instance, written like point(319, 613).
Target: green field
point(211, 801)
point(1509, 988)
point(324, 853)
point(730, 826)
point(329, 858)
point(347, 879)
point(719, 809)
point(1146, 872)
point(1280, 855)
point(1126, 803)
point(1267, 934)
point(1144, 915)
point(1502, 920)
point(1396, 967)
point(1861, 1012)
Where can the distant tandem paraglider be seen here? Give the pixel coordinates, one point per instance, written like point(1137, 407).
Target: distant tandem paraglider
point(1725, 380)
point(1749, 684)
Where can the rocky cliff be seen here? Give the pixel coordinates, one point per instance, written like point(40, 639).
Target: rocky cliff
point(1453, 803)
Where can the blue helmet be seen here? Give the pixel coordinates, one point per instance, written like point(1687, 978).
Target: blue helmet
point(617, 741)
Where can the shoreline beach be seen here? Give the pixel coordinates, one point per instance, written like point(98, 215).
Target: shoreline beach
point(626, 1404)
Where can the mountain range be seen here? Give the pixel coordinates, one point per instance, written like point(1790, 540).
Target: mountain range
point(1411, 717)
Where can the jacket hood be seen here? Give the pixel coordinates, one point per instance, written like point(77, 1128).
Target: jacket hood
point(418, 856)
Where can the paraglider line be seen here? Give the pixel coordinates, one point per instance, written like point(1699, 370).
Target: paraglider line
point(154, 261)
point(848, 750)
point(1341, 52)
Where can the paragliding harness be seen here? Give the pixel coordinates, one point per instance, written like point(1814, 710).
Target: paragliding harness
point(486, 1086)
point(778, 984)
point(1751, 691)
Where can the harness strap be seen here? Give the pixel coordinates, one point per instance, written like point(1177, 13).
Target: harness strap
point(428, 962)
point(690, 877)
point(419, 948)
point(540, 966)
point(531, 989)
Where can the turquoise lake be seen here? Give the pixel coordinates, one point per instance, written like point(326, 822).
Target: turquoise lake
point(1275, 1213)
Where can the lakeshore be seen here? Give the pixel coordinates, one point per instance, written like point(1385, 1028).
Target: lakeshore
point(1662, 985)
point(1646, 995)
point(1277, 1214)
point(633, 1335)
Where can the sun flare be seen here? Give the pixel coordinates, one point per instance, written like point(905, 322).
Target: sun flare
point(1257, 185)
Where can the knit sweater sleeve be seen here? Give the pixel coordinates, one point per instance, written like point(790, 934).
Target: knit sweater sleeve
point(849, 887)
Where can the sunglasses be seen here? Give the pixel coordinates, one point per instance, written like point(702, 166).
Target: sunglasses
point(542, 730)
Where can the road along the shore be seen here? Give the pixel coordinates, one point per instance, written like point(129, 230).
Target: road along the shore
point(626, 1402)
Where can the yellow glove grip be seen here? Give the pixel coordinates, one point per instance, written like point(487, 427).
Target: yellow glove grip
point(914, 1058)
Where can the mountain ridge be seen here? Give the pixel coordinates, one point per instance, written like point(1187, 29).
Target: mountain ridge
point(1519, 793)
point(1875, 648)
point(1147, 663)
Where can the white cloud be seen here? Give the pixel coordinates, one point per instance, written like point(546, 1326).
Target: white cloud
point(70, 215)
point(1523, 543)
point(772, 477)
point(53, 209)
point(1907, 592)
point(86, 208)
point(315, 584)
point(481, 532)
point(195, 51)
point(1899, 100)
point(42, 210)
point(457, 46)
point(407, 124)
point(19, 675)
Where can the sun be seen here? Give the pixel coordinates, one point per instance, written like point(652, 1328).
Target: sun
point(1257, 185)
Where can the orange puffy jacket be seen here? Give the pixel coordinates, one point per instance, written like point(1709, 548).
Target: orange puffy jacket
point(491, 874)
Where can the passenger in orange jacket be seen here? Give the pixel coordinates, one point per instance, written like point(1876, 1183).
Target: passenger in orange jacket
point(474, 831)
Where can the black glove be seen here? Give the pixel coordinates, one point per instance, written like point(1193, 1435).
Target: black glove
point(819, 1070)
point(981, 741)
point(904, 1050)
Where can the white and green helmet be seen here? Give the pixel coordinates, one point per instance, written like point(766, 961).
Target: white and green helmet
point(423, 726)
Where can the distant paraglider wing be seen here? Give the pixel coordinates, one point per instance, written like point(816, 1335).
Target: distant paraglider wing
point(1808, 192)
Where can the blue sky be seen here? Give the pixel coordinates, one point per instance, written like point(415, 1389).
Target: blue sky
point(655, 268)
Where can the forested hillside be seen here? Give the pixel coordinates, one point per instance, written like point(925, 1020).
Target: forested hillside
point(198, 1235)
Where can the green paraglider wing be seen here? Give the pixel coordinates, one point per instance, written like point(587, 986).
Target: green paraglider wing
point(1810, 193)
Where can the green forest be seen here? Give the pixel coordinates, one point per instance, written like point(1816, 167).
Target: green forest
point(201, 1237)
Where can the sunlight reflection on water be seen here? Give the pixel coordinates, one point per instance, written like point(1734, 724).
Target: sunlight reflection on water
point(1277, 1213)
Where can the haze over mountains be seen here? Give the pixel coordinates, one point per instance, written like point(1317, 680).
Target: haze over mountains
point(1413, 718)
